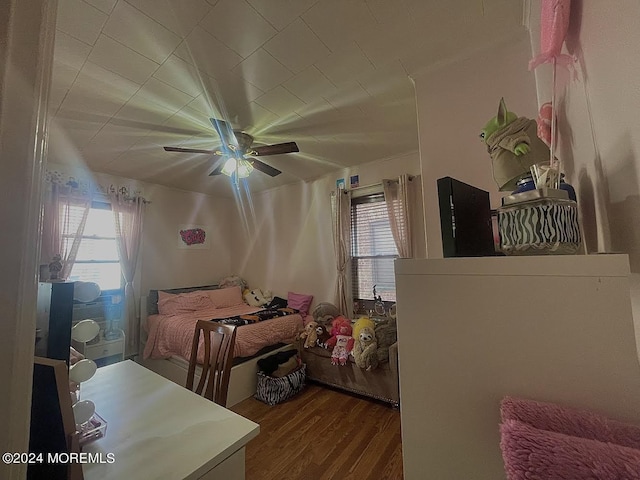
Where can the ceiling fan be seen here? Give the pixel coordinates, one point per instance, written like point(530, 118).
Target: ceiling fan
point(240, 156)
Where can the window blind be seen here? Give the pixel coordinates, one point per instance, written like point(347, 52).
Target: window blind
point(372, 249)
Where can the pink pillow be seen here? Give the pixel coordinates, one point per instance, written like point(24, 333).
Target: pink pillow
point(226, 297)
point(300, 302)
point(172, 304)
point(531, 453)
point(570, 421)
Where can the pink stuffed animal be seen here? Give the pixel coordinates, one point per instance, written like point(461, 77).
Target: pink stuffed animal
point(341, 340)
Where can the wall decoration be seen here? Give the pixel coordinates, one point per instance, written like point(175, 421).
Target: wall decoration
point(355, 181)
point(340, 185)
point(193, 237)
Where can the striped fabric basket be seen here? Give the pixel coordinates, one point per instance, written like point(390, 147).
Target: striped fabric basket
point(539, 227)
point(274, 390)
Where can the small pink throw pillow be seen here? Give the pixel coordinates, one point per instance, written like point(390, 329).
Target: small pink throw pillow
point(172, 304)
point(226, 297)
point(530, 453)
point(300, 302)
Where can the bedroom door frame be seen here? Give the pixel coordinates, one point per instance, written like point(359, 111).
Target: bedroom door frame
point(27, 31)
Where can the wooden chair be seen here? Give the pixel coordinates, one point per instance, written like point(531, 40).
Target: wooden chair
point(219, 344)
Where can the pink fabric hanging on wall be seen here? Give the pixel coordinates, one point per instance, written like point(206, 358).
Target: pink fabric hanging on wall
point(554, 23)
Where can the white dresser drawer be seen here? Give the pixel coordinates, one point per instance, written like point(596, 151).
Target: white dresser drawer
point(104, 349)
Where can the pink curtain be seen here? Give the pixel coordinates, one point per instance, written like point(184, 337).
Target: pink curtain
point(341, 216)
point(64, 218)
point(397, 196)
point(128, 215)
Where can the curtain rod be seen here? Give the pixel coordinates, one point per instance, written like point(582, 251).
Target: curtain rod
point(379, 184)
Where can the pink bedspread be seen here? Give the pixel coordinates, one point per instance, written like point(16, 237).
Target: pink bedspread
point(170, 335)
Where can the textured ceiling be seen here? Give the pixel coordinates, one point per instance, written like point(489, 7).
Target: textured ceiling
point(130, 77)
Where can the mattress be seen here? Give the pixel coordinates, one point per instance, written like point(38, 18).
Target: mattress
point(172, 335)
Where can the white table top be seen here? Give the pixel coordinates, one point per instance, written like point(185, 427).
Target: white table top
point(157, 429)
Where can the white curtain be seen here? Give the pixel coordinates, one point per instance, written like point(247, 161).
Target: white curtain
point(341, 216)
point(64, 218)
point(128, 213)
point(397, 196)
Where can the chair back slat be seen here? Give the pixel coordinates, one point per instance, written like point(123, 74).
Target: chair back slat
point(219, 344)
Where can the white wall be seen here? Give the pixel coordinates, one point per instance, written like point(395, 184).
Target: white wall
point(599, 127)
point(454, 102)
point(286, 243)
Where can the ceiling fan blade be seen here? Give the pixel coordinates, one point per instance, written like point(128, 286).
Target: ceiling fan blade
point(264, 168)
point(192, 150)
point(224, 130)
point(278, 148)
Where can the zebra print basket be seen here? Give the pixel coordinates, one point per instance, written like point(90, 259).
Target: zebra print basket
point(273, 390)
point(539, 227)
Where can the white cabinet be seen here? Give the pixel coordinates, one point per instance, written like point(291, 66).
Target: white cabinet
point(101, 350)
point(472, 330)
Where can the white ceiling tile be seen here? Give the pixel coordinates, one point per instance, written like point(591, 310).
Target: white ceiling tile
point(105, 6)
point(56, 96)
point(310, 85)
point(136, 30)
point(179, 16)
point(341, 67)
point(337, 22)
point(113, 139)
point(98, 92)
point(352, 95)
point(263, 71)
point(382, 47)
point(260, 119)
point(297, 47)
point(389, 13)
point(67, 136)
point(280, 101)
point(281, 13)
point(163, 94)
point(69, 51)
point(181, 75)
point(80, 20)
point(223, 22)
point(122, 60)
point(63, 76)
point(208, 53)
point(140, 113)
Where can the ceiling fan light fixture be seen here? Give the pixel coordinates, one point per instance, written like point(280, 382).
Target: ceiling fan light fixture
point(242, 167)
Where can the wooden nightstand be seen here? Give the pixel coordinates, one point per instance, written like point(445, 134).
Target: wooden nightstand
point(101, 350)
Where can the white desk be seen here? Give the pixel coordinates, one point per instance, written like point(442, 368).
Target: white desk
point(160, 430)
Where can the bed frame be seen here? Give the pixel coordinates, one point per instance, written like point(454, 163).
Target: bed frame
point(244, 376)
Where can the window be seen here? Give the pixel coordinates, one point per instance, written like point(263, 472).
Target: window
point(372, 249)
point(97, 260)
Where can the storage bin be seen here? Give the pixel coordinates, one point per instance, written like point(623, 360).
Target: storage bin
point(274, 390)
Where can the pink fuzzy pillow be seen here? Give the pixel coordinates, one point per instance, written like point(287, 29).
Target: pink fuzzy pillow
point(300, 302)
point(530, 453)
point(172, 304)
point(570, 421)
point(226, 297)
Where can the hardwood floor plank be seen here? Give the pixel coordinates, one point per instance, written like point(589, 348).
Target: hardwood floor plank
point(323, 434)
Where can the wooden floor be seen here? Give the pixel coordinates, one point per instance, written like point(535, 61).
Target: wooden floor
point(323, 434)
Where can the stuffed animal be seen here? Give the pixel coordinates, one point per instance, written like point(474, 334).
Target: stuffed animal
point(325, 312)
point(323, 335)
point(309, 335)
point(341, 340)
point(256, 297)
point(386, 335)
point(513, 145)
point(365, 346)
point(232, 281)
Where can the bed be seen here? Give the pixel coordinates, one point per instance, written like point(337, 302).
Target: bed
point(167, 333)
